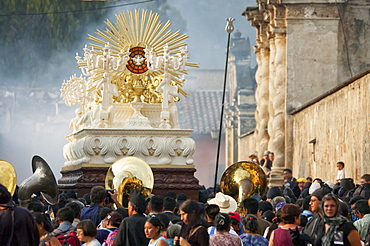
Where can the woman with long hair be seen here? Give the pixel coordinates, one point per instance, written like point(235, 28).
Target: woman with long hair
point(193, 232)
point(86, 232)
point(251, 237)
point(223, 236)
point(153, 228)
point(45, 229)
point(290, 217)
point(336, 229)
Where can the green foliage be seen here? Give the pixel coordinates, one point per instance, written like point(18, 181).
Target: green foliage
point(39, 35)
point(33, 32)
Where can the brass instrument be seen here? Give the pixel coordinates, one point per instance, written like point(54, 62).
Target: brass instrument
point(242, 180)
point(127, 174)
point(42, 180)
point(8, 176)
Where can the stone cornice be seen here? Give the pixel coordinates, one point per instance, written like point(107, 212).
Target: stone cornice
point(128, 132)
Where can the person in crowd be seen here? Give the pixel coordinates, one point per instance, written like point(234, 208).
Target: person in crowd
point(153, 230)
point(264, 206)
point(110, 223)
point(300, 183)
point(103, 214)
point(306, 188)
point(272, 157)
point(309, 179)
point(306, 213)
point(35, 206)
point(289, 179)
point(273, 192)
point(340, 173)
point(250, 206)
point(314, 186)
point(169, 206)
point(180, 198)
point(311, 228)
point(253, 158)
point(45, 229)
point(362, 210)
point(172, 232)
point(277, 200)
point(266, 163)
point(62, 200)
point(335, 229)
point(97, 195)
point(211, 211)
point(364, 188)
point(235, 222)
point(76, 207)
point(193, 232)
point(86, 232)
point(87, 199)
point(155, 205)
point(276, 221)
point(131, 231)
point(251, 237)
point(352, 211)
point(165, 221)
point(268, 215)
point(223, 236)
point(289, 215)
point(65, 217)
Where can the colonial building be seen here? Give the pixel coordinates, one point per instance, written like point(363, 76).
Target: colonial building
point(304, 50)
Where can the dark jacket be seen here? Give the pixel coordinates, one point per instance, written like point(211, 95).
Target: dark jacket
point(131, 231)
point(22, 231)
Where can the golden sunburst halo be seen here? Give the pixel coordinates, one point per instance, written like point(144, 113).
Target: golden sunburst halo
point(135, 32)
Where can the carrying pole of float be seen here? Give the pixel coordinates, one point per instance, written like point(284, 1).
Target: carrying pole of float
point(229, 29)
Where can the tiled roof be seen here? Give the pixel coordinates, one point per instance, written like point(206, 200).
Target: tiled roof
point(200, 111)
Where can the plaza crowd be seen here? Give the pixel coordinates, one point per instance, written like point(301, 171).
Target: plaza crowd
point(299, 212)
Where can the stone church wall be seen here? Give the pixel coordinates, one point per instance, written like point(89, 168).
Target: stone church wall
point(334, 128)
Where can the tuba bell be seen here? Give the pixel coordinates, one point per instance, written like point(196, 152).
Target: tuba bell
point(42, 180)
point(8, 176)
point(242, 180)
point(127, 174)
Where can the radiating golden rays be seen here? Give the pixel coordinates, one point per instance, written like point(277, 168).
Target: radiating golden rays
point(139, 30)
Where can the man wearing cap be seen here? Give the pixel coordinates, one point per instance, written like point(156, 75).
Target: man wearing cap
point(131, 230)
point(312, 227)
point(250, 206)
point(17, 225)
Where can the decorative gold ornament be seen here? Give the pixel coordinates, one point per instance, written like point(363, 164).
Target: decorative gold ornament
point(128, 38)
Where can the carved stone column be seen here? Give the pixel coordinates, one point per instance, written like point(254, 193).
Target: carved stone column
point(278, 95)
point(262, 94)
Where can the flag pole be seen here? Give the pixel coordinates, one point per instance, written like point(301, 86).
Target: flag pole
point(229, 29)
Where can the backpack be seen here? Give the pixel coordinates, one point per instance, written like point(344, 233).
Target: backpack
point(68, 238)
point(110, 239)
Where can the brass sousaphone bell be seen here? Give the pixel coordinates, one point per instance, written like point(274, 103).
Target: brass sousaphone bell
point(42, 180)
point(242, 180)
point(8, 176)
point(127, 174)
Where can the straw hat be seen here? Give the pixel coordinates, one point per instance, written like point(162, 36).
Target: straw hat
point(225, 202)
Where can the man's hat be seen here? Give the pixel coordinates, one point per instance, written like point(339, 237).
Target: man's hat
point(225, 202)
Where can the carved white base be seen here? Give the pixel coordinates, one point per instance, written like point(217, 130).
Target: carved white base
point(105, 146)
point(137, 120)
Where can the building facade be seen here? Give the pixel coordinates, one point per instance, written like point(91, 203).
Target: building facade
point(304, 49)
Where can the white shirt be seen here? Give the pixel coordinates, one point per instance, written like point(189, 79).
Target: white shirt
point(340, 174)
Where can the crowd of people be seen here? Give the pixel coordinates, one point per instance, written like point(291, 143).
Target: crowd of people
point(299, 212)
